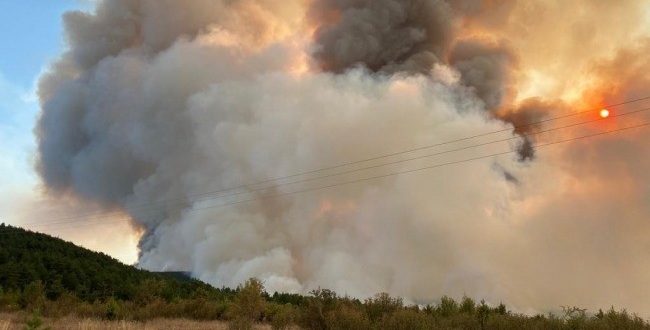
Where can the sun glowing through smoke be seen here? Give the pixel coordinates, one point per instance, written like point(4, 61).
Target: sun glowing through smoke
point(604, 113)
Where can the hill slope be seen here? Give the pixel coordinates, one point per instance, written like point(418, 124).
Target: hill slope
point(27, 257)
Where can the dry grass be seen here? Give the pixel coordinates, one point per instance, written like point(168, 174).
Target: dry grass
point(16, 321)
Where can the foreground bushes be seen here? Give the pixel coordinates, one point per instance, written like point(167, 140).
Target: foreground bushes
point(322, 309)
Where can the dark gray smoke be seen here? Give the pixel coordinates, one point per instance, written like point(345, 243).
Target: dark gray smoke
point(526, 120)
point(391, 36)
point(381, 35)
point(487, 68)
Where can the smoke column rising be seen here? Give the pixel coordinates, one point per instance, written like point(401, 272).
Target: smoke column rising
point(162, 100)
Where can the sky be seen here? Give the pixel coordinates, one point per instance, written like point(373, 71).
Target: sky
point(31, 35)
point(149, 115)
point(24, 57)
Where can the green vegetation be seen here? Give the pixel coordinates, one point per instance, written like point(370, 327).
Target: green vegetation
point(45, 276)
point(59, 267)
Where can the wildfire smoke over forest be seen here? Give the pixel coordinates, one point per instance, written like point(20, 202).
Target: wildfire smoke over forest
point(167, 100)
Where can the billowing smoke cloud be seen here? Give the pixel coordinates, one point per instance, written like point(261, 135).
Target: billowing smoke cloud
point(386, 35)
point(487, 68)
point(160, 101)
point(411, 37)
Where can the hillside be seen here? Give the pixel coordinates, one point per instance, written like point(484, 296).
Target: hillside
point(27, 257)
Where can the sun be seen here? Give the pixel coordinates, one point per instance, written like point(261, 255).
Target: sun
point(604, 113)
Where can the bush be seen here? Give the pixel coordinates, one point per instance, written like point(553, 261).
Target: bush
point(65, 305)
point(280, 316)
point(467, 305)
point(321, 302)
point(619, 320)
point(203, 309)
point(382, 304)
point(113, 309)
point(447, 307)
point(33, 296)
point(34, 322)
point(10, 301)
point(347, 318)
point(248, 304)
point(148, 291)
point(407, 319)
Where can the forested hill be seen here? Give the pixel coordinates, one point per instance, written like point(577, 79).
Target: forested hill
point(27, 257)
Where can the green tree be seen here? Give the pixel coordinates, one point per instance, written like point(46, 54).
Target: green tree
point(467, 305)
point(321, 302)
point(482, 313)
point(248, 304)
point(447, 307)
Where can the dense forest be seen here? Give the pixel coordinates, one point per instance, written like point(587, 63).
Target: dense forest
point(45, 276)
point(62, 267)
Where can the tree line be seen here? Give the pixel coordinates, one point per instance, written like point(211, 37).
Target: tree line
point(44, 276)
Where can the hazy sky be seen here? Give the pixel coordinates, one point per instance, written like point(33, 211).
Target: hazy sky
point(31, 37)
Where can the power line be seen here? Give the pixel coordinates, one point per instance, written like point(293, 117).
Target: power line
point(427, 167)
point(423, 156)
point(156, 206)
point(409, 171)
point(375, 166)
point(243, 186)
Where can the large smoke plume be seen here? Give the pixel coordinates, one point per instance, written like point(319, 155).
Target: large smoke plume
point(157, 101)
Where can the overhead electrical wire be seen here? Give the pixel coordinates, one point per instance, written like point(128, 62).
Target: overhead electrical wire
point(165, 203)
point(355, 170)
point(408, 171)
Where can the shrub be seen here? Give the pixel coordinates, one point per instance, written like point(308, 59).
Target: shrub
point(248, 304)
point(10, 301)
point(347, 318)
point(467, 305)
point(34, 322)
point(280, 316)
point(447, 307)
point(382, 304)
point(321, 302)
point(33, 296)
point(482, 313)
point(113, 309)
point(65, 305)
point(203, 309)
point(619, 320)
point(148, 291)
point(407, 319)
